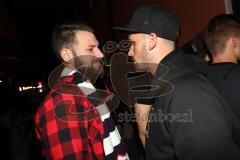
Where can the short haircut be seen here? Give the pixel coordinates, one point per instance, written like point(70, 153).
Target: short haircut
point(219, 30)
point(64, 36)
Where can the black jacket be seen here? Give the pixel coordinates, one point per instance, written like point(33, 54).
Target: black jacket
point(225, 77)
point(191, 121)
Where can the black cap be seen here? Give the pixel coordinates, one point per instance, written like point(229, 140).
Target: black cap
point(153, 19)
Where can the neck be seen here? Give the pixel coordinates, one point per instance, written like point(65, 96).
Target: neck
point(68, 65)
point(220, 58)
point(158, 57)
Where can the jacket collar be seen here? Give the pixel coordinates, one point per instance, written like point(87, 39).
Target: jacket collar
point(177, 63)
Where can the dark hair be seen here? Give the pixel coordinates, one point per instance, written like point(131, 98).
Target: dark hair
point(64, 36)
point(219, 30)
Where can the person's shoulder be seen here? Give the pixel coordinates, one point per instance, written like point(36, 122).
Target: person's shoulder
point(233, 77)
point(236, 71)
point(63, 90)
point(57, 102)
point(190, 81)
point(60, 93)
point(195, 92)
point(47, 103)
point(192, 86)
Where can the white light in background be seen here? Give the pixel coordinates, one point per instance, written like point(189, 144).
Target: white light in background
point(40, 87)
point(24, 88)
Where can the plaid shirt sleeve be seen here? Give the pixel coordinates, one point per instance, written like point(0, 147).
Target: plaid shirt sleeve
point(68, 127)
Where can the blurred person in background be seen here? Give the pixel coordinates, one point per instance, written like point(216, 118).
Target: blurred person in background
point(222, 37)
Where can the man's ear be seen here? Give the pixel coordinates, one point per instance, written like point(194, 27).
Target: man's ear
point(152, 40)
point(66, 55)
point(235, 43)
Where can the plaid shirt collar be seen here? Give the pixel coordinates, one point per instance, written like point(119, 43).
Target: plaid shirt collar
point(72, 76)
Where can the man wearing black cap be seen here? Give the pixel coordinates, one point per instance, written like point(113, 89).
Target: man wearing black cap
point(191, 120)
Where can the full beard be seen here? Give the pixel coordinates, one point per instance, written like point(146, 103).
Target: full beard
point(89, 66)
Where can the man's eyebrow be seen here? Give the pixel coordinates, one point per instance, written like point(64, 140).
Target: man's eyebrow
point(132, 42)
point(92, 45)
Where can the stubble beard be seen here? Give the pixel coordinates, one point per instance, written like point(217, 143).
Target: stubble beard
point(142, 64)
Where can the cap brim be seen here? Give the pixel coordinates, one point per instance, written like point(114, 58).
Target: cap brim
point(125, 29)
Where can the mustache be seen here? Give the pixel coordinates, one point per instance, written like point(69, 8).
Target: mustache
point(81, 64)
point(87, 60)
point(98, 60)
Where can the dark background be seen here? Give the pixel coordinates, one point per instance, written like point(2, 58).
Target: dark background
point(26, 26)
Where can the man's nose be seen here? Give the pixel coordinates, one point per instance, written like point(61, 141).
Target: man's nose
point(99, 53)
point(130, 52)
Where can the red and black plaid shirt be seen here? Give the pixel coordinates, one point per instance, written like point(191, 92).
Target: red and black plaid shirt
point(68, 126)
